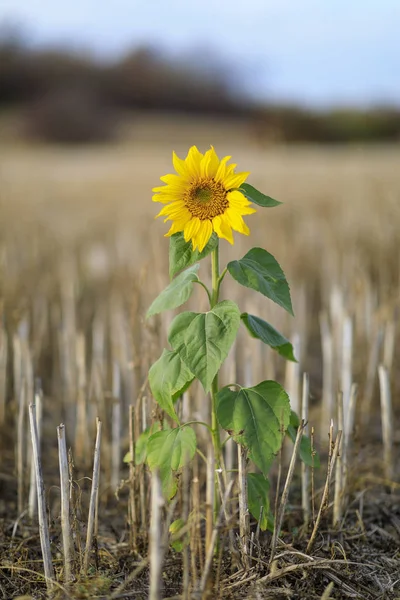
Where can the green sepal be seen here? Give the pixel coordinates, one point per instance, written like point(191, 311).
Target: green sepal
point(261, 330)
point(182, 255)
point(203, 340)
point(260, 271)
point(257, 197)
point(256, 418)
point(169, 378)
point(169, 451)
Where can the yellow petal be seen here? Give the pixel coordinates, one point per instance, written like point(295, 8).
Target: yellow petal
point(179, 224)
point(183, 216)
point(230, 169)
point(179, 165)
point(221, 171)
point(235, 180)
point(174, 180)
point(175, 227)
point(222, 228)
point(174, 208)
point(161, 198)
point(203, 235)
point(212, 162)
point(169, 189)
point(205, 161)
point(247, 210)
point(236, 222)
point(191, 228)
point(242, 207)
point(172, 187)
point(236, 198)
point(193, 161)
point(167, 195)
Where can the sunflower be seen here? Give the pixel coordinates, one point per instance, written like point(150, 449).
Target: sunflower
point(203, 197)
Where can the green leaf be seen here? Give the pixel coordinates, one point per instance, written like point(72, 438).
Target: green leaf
point(182, 540)
point(203, 340)
point(260, 329)
point(141, 444)
point(169, 377)
point(258, 270)
point(257, 418)
point(169, 451)
point(306, 454)
point(181, 254)
point(258, 496)
point(176, 293)
point(257, 197)
point(294, 419)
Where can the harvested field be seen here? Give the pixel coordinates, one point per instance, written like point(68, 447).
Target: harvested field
point(81, 258)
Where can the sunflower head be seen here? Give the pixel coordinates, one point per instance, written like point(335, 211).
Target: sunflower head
point(203, 197)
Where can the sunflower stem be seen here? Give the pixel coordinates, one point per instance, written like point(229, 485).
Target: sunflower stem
point(215, 276)
point(214, 388)
point(221, 277)
point(205, 287)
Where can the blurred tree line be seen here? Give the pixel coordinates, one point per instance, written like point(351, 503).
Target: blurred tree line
point(67, 97)
point(345, 125)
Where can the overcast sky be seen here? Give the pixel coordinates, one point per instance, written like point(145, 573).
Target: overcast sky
point(318, 52)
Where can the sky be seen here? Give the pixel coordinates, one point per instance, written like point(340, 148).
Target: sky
point(312, 52)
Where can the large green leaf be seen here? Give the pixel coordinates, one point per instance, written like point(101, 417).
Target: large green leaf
point(176, 293)
point(259, 271)
point(141, 443)
point(258, 496)
point(260, 329)
point(257, 197)
point(168, 451)
point(182, 255)
point(203, 340)
point(257, 418)
point(309, 456)
point(169, 377)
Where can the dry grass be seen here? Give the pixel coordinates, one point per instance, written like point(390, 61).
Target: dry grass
point(79, 246)
point(341, 198)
